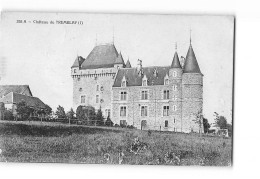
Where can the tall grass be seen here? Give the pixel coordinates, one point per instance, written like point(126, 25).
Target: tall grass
point(78, 144)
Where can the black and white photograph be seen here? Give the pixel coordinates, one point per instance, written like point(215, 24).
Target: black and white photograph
point(121, 89)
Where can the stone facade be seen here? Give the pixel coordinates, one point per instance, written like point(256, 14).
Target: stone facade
point(157, 98)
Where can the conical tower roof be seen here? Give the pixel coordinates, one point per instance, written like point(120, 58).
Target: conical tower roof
point(119, 59)
point(128, 64)
point(78, 61)
point(191, 64)
point(176, 61)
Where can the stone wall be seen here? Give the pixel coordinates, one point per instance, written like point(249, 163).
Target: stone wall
point(92, 82)
point(192, 95)
point(155, 102)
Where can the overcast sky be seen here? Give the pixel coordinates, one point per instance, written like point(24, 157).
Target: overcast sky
point(41, 55)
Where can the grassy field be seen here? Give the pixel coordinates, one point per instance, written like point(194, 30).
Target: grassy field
point(48, 142)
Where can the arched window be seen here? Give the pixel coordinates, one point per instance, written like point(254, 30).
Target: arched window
point(123, 84)
point(166, 82)
point(144, 82)
point(174, 74)
point(174, 108)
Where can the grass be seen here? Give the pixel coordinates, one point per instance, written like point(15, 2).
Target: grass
point(48, 142)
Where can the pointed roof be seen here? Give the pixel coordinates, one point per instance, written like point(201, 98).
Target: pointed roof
point(102, 56)
point(191, 64)
point(119, 59)
point(176, 61)
point(128, 64)
point(78, 61)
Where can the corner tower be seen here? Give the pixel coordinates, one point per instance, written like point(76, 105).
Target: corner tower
point(175, 79)
point(192, 93)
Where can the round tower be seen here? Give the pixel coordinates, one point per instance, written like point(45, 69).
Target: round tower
point(192, 94)
point(175, 79)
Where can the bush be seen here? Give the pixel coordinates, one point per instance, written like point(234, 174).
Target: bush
point(130, 126)
point(116, 125)
point(8, 115)
point(109, 122)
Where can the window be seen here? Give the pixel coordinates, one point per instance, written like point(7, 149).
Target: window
point(174, 87)
point(174, 120)
point(174, 74)
point(80, 89)
point(166, 94)
point(166, 81)
point(144, 95)
point(166, 123)
point(83, 99)
point(123, 84)
point(174, 108)
point(123, 95)
point(97, 87)
point(165, 110)
point(144, 82)
point(75, 70)
point(143, 111)
point(123, 123)
point(97, 98)
point(123, 111)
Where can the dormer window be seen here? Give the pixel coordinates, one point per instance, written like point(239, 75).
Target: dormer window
point(75, 70)
point(166, 80)
point(175, 74)
point(144, 81)
point(123, 84)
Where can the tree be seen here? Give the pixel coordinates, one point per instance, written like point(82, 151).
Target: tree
point(70, 114)
point(109, 122)
point(23, 110)
point(220, 121)
point(206, 125)
point(86, 113)
point(60, 112)
point(8, 115)
point(198, 120)
point(47, 110)
point(99, 117)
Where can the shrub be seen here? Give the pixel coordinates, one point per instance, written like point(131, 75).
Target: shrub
point(109, 122)
point(8, 115)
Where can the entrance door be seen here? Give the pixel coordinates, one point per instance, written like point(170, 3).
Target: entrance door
point(143, 124)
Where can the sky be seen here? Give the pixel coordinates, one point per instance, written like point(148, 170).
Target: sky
point(41, 55)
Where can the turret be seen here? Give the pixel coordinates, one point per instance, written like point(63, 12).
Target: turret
point(119, 62)
point(128, 64)
point(77, 65)
point(192, 93)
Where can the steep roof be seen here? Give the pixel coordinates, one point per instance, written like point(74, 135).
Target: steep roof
point(14, 98)
point(128, 64)
point(119, 59)
point(21, 89)
point(134, 79)
point(102, 56)
point(176, 61)
point(191, 64)
point(78, 61)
